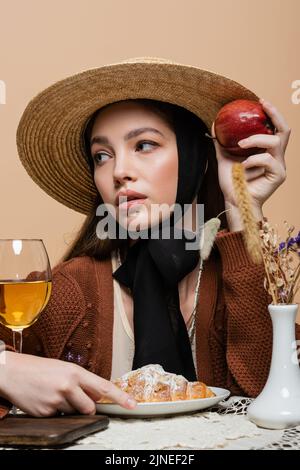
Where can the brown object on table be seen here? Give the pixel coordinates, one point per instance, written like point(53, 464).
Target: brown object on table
point(24, 430)
point(152, 384)
point(4, 408)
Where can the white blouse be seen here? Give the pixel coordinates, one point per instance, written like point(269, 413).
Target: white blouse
point(123, 337)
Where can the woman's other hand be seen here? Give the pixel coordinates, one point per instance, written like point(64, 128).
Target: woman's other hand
point(43, 387)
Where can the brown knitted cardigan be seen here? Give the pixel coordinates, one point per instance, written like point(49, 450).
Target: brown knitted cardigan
point(233, 327)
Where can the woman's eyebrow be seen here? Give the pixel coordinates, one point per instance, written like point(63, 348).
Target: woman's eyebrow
point(98, 139)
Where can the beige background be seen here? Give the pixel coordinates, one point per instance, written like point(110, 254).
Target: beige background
point(255, 42)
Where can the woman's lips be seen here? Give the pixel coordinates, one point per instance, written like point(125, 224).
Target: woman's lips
point(127, 204)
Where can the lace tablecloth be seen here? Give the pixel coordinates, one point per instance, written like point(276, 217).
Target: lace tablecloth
point(223, 427)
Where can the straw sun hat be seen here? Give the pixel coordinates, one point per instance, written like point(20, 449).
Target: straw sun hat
point(50, 132)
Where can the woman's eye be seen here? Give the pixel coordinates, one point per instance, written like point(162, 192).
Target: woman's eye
point(99, 157)
point(143, 144)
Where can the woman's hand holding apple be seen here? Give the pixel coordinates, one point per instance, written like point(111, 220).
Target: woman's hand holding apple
point(264, 172)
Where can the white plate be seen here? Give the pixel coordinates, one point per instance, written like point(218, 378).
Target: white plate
point(146, 410)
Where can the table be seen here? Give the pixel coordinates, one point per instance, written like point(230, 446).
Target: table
point(223, 427)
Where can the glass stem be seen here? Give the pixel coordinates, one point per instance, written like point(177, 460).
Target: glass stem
point(18, 340)
point(18, 345)
point(14, 340)
point(21, 341)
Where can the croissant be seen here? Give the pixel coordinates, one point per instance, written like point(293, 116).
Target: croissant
point(152, 384)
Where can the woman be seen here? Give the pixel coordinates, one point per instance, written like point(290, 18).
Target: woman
point(91, 139)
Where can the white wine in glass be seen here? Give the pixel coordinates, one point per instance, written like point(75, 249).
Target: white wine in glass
point(25, 284)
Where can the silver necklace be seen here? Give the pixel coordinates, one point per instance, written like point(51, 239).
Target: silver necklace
point(192, 319)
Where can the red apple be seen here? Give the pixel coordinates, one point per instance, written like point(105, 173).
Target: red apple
point(238, 120)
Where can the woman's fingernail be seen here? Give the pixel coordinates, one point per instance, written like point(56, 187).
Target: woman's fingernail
point(131, 402)
point(243, 143)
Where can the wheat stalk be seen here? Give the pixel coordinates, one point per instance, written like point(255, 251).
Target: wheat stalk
point(251, 230)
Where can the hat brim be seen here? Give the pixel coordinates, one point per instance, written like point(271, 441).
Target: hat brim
point(50, 131)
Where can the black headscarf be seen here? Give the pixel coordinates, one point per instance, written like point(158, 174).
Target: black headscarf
point(154, 267)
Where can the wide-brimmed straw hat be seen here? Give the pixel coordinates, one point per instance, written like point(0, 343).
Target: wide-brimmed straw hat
point(50, 133)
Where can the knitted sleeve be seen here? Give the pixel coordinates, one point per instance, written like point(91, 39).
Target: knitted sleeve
point(49, 334)
point(249, 327)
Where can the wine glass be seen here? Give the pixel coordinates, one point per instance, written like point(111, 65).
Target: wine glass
point(25, 284)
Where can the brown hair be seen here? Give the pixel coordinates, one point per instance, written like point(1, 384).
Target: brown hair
point(87, 242)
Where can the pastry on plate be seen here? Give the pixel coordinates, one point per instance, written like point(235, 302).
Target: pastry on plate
point(152, 384)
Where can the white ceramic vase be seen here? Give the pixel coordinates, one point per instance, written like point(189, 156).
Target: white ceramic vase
point(278, 405)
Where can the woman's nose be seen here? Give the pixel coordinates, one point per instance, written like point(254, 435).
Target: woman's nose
point(124, 168)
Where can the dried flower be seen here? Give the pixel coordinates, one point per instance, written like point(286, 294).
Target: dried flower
point(293, 242)
point(281, 259)
point(282, 263)
point(208, 236)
